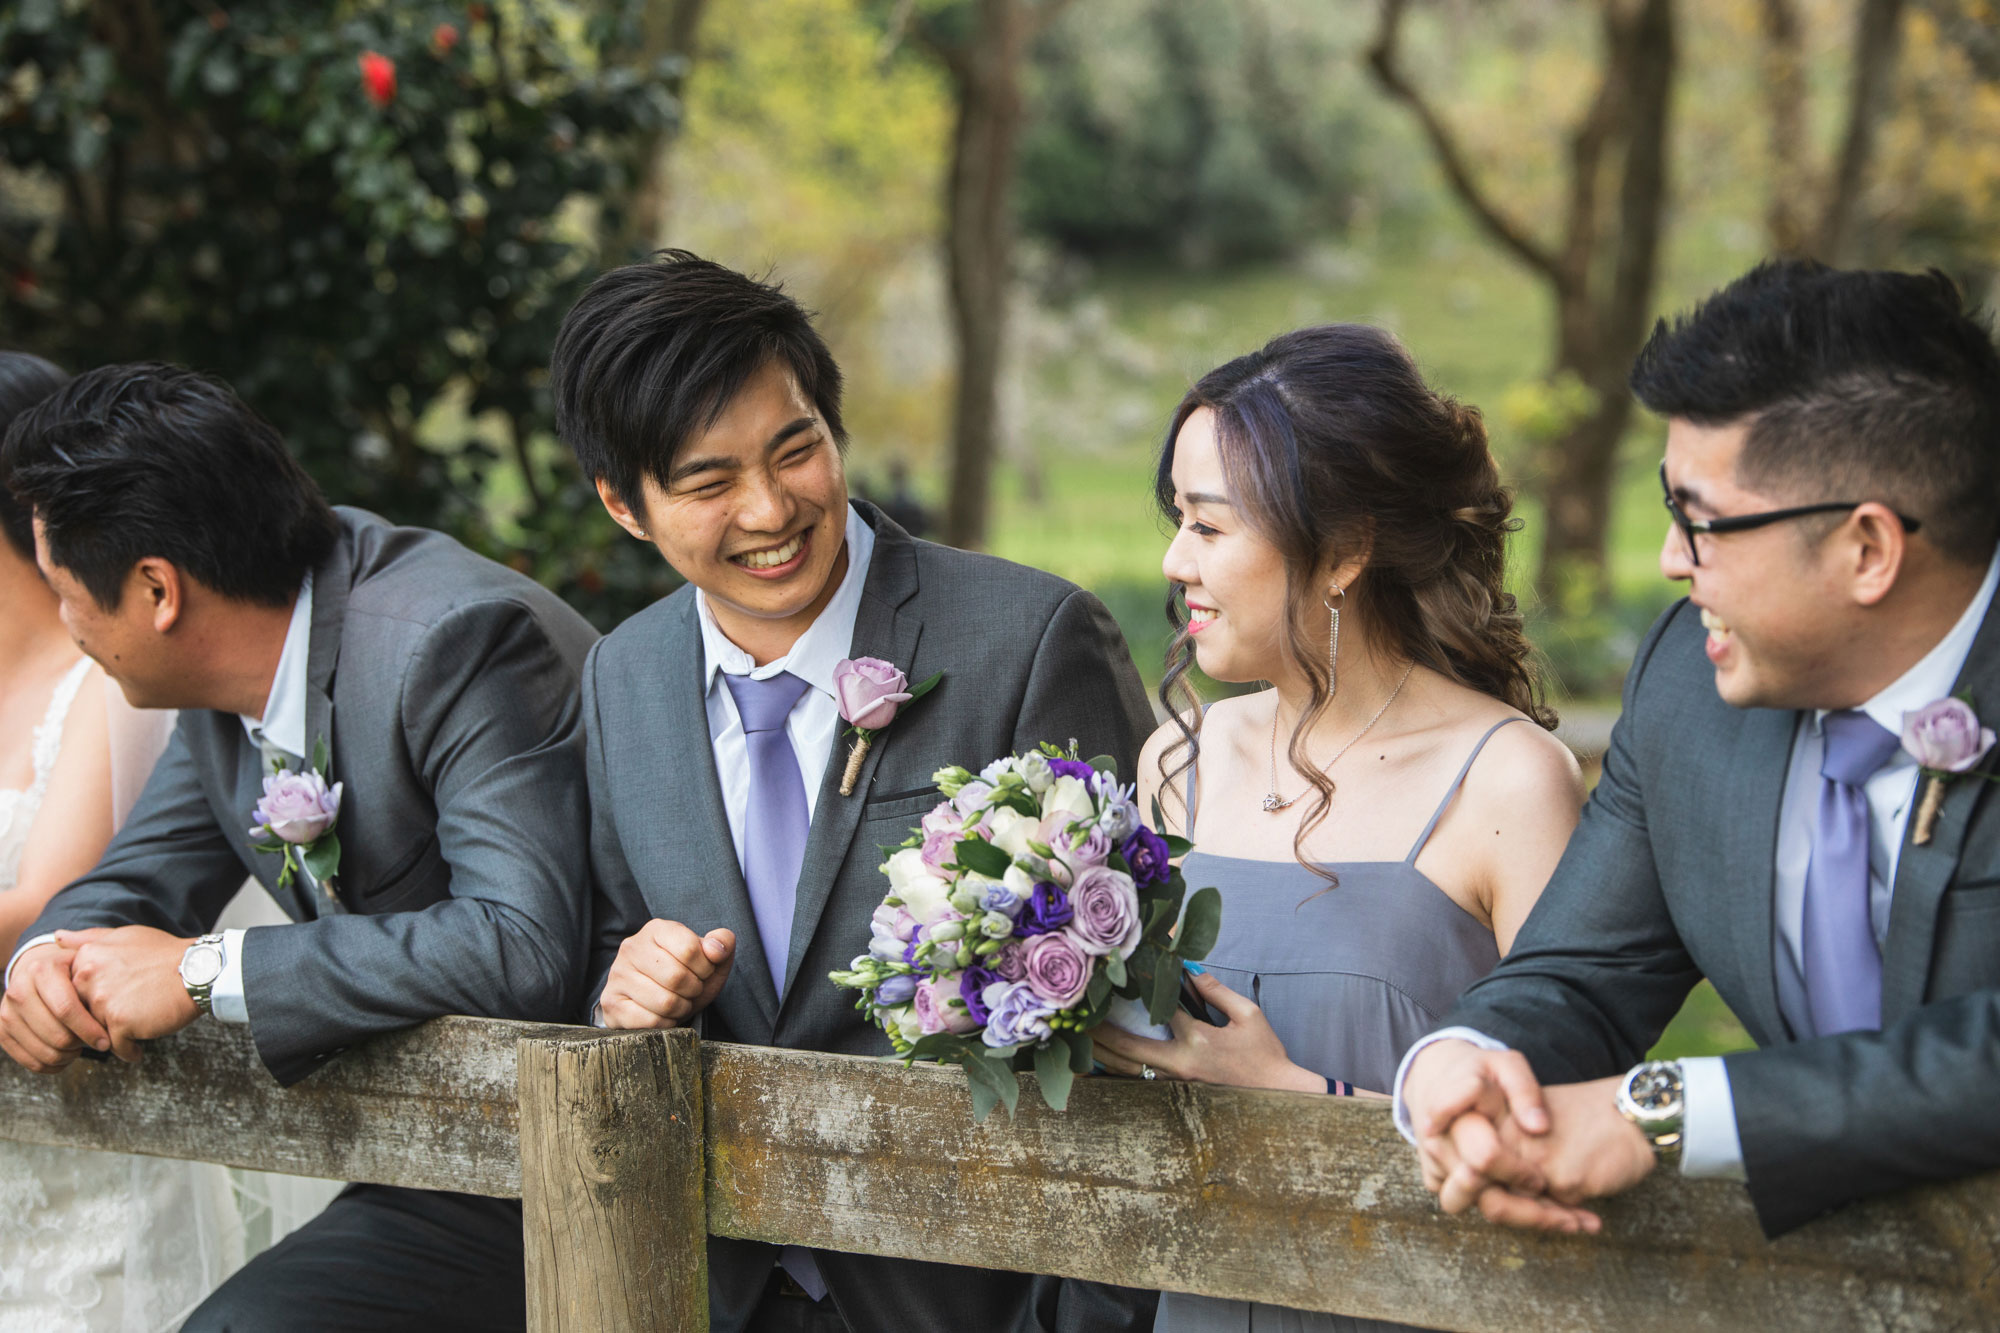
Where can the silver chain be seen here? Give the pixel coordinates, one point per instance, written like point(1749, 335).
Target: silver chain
point(1271, 801)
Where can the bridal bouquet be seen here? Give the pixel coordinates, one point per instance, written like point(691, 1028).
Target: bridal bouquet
point(1029, 902)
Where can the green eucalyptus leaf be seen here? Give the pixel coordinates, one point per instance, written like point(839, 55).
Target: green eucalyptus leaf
point(1104, 763)
point(1114, 971)
point(985, 1092)
point(1177, 847)
point(1053, 1072)
point(1199, 925)
point(1099, 989)
point(322, 858)
point(1166, 989)
point(1082, 1053)
point(979, 855)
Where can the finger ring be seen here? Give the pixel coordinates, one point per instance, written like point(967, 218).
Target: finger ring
point(1148, 1073)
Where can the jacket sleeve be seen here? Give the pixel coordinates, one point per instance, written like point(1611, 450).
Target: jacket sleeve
point(1598, 970)
point(492, 726)
point(1083, 686)
point(618, 907)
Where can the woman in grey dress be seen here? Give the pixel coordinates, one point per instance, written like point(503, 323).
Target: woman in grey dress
point(1377, 827)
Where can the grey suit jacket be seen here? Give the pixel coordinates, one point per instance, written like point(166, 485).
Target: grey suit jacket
point(1669, 878)
point(1026, 657)
point(445, 687)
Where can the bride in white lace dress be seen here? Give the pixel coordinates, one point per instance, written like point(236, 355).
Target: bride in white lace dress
point(96, 1242)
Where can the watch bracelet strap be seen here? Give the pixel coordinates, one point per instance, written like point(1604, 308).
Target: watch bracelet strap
point(204, 993)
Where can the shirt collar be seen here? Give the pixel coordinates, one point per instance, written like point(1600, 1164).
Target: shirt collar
point(1937, 671)
point(826, 642)
point(284, 720)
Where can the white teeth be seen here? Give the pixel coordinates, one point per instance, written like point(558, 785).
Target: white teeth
point(1201, 615)
point(1712, 622)
point(775, 557)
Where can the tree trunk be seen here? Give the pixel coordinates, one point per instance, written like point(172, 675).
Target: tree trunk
point(979, 249)
point(1784, 69)
point(1878, 41)
point(669, 28)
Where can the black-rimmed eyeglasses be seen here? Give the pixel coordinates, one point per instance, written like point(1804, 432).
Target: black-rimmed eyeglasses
point(1744, 522)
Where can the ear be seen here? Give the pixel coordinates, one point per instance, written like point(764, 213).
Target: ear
point(1876, 543)
point(157, 582)
point(1345, 572)
point(621, 513)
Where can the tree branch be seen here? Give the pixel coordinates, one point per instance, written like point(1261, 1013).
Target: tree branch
point(1382, 61)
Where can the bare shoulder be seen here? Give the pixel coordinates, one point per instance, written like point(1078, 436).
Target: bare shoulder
point(1523, 772)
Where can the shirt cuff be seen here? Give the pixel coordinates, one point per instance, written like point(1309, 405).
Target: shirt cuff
point(1402, 1112)
point(1710, 1148)
point(8, 979)
point(225, 997)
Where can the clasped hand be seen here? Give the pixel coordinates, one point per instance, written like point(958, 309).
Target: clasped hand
point(1490, 1136)
point(109, 989)
point(665, 975)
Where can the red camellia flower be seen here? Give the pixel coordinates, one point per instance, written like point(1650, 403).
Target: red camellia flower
point(378, 77)
point(443, 38)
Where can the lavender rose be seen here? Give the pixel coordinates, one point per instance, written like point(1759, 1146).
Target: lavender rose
point(1946, 736)
point(1058, 968)
point(899, 989)
point(1047, 909)
point(297, 808)
point(935, 1010)
point(1018, 1016)
point(869, 691)
point(972, 984)
point(1011, 962)
point(1080, 852)
point(1145, 854)
point(1106, 908)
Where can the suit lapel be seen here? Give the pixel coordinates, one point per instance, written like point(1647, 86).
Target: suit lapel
point(1753, 793)
point(1922, 873)
point(695, 845)
point(885, 627)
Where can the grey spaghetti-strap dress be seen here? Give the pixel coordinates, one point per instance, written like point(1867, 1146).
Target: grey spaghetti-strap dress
point(1349, 977)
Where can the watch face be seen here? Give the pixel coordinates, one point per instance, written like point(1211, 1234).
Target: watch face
point(1656, 1089)
point(201, 965)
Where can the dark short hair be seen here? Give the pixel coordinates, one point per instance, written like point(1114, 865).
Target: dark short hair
point(126, 462)
point(25, 380)
point(652, 354)
point(1857, 386)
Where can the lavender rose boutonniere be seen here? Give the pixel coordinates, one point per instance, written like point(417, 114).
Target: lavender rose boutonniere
point(871, 692)
point(295, 819)
point(1948, 741)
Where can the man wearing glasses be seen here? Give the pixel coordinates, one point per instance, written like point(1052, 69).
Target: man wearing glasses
point(1832, 476)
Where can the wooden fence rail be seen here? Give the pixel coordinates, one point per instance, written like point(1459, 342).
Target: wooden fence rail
point(624, 1146)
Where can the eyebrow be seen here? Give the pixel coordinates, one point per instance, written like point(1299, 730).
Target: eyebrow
point(693, 466)
point(1205, 498)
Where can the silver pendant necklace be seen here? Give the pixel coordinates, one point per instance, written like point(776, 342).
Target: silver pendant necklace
point(1272, 802)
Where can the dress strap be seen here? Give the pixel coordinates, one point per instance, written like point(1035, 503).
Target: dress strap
point(1456, 783)
point(48, 736)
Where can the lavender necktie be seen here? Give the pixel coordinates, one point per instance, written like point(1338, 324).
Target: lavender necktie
point(775, 825)
point(1843, 964)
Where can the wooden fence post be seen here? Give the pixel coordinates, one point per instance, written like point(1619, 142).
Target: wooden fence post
point(612, 1206)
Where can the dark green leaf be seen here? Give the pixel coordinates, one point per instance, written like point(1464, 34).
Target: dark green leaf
point(985, 1091)
point(1081, 1053)
point(321, 756)
point(1053, 1071)
point(979, 855)
point(919, 691)
point(1166, 990)
point(1104, 763)
point(1099, 989)
point(1114, 970)
point(1200, 925)
point(1177, 847)
point(323, 857)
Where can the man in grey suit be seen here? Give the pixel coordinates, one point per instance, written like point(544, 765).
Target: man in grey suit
point(1832, 473)
point(731, 872)
point(198, 564)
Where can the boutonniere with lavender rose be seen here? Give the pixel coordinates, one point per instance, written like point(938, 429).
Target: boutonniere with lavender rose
point(1948, 741)
point(871, 692)
point(295, 820)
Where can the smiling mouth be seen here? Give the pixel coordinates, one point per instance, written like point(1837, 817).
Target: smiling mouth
point(1200, 618)
point(1718, 629)
point(771, 557)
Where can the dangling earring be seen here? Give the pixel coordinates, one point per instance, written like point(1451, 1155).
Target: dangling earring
point(1333, 638)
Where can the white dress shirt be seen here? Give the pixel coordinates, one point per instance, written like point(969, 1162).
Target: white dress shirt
point(1710, 1146)
point(284, 726)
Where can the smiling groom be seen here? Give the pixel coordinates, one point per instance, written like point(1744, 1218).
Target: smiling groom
point(731, 872)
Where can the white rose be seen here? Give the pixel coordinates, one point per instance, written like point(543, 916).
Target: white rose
point(1011, 831)
point(1035, 769)
point(1020, 881)
point(993, 771)
point(1068, 796)
point(906, 1023)
point(924, 895)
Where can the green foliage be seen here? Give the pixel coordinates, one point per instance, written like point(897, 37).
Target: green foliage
point(379, 268)
point(1202, 129)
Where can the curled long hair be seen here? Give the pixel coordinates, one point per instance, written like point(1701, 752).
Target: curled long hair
point(1333, 446)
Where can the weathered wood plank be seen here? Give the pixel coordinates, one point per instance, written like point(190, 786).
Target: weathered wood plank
point(431, 1108)
point(611, 1183)
point(1311, 1202)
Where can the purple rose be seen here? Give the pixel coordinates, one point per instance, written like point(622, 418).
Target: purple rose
point(1078, 852)
point(296, 808)
point(935, 1012)
point(972, 984)
point(971, 798)
point(1011, 961)
point(1047, 909)
point(892, 923)
point(1106, 908)
point(1018, 1016)
point(1946, 736)
point(1072, 768)
point(937, 850)
point(943, 818)
point(895, 990)
point(870, 691)
point(1145, 854)
point(1058, 968)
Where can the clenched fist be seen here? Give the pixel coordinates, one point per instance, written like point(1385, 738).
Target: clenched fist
point(665, 975)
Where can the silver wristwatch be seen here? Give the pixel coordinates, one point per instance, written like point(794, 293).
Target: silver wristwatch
point(1651, 1098)
point(201, 965)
